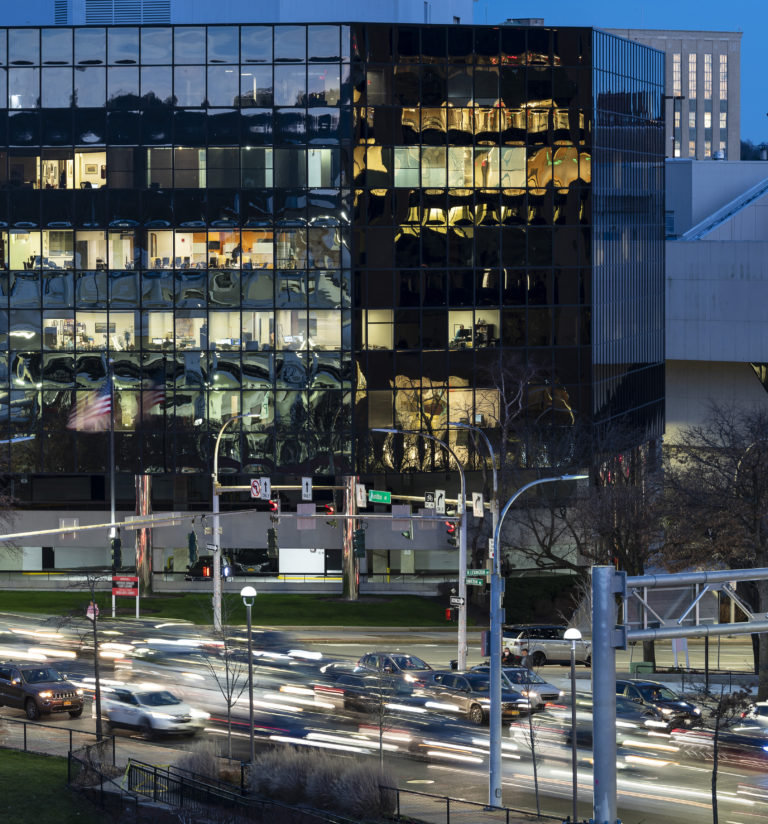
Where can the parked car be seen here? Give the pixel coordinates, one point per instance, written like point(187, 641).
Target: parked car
point(528, 683)
point(396, 665)
point(202, 569)
point(469, 694)
point(151, 711)
point(38, 689)
point(626, 709)
point(676, 711)
point(545, 644)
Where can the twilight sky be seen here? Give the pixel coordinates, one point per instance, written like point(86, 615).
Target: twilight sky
point(748, 16)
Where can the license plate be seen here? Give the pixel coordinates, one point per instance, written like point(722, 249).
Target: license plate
point(66, 703)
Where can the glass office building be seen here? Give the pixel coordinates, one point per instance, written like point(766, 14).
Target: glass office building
point(327, 227)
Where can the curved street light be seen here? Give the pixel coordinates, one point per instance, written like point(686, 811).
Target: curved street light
point(462, 633)
point(216, 520)
point(497, 594)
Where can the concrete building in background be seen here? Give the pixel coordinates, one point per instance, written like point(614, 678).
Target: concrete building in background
point(717, 287)
point(703, 87)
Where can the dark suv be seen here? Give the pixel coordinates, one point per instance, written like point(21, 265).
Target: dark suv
point(38, 689)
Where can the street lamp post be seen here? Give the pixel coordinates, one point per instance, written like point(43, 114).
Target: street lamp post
point(497, 593)
point(495, 500)
point(462, 639)
point(573, 635)
point(216, 522)
point(248, 594)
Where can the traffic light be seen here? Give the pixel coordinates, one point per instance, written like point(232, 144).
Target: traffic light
point(272, 542)
point(358, 543)
point(450, 529)
point(274, 511)
point(330, 509)
point(117, 552)
point(408, 533)
point(192, 546)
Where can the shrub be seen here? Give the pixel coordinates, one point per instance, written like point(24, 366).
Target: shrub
point(203, 759)
point(328, 782)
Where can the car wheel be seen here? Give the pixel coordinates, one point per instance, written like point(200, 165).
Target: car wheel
point(476, 714)
point(76, 713)
point(147, 730)
point(538, 659)
point(31, 709)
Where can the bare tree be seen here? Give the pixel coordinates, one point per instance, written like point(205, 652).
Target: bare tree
point(717, 480)
point(229, 670)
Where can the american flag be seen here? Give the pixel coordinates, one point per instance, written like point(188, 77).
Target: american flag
point(154, 395)
point(92, 411)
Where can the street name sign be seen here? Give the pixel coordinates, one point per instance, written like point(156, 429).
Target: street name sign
point(477, 572)
point(475, 582)
point(377, 496)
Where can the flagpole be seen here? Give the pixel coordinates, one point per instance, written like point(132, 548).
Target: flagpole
point(112, 531)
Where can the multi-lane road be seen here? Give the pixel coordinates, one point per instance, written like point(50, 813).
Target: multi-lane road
point(656, 781)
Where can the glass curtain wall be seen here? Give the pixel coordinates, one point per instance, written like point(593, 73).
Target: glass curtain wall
point(175, 201)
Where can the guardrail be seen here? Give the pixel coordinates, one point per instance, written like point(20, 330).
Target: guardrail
point(429, 803)
point(67, 734)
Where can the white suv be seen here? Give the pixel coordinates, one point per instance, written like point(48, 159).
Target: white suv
point(151, 711)
point(545, 644)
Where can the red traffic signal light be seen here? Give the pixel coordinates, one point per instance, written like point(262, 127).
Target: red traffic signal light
point(330, 510)
point(450, 527)
point(274, 506)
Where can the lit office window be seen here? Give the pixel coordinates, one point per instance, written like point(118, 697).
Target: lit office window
point(691, 148)
point(677, 74)
point(707, 76)
point(707, 148)
point(723, 120)
point(677, 148)
point(707, 120)
point(723, 76)
point(692, 119)
point(691, 76)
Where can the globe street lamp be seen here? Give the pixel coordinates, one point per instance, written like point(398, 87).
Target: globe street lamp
point(248, 594)
point(573, 635)
point(462, 633)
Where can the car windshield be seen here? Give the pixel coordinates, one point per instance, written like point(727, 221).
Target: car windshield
point(654, 693)
point(42, 674)
point(409, 662)
point(523, 676)
point(479, 684)
point(161, 698)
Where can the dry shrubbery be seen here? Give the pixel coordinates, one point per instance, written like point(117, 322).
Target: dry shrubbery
point(324, 781)
point(203, 759)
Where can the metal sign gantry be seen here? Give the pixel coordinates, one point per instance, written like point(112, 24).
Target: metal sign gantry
point(608, 636)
